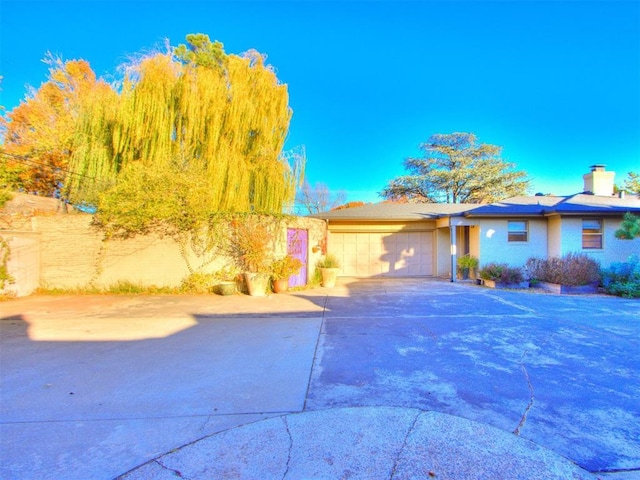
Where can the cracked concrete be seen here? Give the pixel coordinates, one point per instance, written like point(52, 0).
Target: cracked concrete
point(175, 473)
point(286, 471)
point(333, 368)
point(403, 447)
point(529, 406)
point(347, 443)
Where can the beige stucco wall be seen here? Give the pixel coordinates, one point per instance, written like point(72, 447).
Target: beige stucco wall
point(23, 263)
point(554, 236)
point(495, 247)
point(74, 254)
point(443, 252)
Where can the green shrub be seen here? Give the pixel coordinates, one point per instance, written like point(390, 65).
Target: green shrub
point(285, 267)
point(467, 261)
point(119, 288)
point(199, 282)
point(572, 269)
point(328, 261)
point(623, 278)
point(5, 196)
point(501, 272)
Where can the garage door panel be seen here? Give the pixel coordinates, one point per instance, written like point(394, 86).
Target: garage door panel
point(369, 254)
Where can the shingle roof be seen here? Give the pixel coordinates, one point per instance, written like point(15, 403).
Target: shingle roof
point(522, 205)
point(514, 206)
point(396, 211)
point(583, 203)
point(578, 204)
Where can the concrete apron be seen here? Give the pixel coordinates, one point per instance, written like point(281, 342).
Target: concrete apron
point(366, 443)
point(96, 386)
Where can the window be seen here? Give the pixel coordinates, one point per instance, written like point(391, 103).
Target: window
point(518, 231)
point(591, 233)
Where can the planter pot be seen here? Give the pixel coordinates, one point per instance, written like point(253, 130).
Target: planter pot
point(329, 276)
point(569, 289)
point(226, 288)
point(281, 285)
point(494, 284)
point(257, 283)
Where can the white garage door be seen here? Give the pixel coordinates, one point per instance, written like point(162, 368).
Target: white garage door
point(397, 254)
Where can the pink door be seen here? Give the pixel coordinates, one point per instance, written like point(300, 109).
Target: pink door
point(297, 242)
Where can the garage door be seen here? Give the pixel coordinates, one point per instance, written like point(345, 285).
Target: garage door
point(392, 254)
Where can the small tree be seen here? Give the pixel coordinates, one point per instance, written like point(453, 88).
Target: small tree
point(318, 198)
point(632, 183)
point(456, 168)
point(630, 227)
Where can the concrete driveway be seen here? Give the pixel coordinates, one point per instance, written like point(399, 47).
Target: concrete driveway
point(93, 387)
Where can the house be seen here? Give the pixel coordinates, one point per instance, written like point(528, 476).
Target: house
point(406, 240)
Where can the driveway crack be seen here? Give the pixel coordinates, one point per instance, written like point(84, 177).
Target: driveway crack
point(529, 406)
point(404, 444)
point(178, 473)
point(523, 419)
point(286, 425)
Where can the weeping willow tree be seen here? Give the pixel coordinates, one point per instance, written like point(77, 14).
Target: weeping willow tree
point(192, 133)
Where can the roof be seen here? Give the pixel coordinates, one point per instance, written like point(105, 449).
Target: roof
point(583, 203)
point(397, 211)
point(549, 205)
point(578, 204)
point(523, 205)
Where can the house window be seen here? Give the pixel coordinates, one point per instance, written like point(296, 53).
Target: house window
point(591, 233)
point(518, 231)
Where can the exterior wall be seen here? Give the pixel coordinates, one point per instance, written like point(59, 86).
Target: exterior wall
point(554, 237)
point(69, 250)
point(614, 250)
point(443, 252)
point(23, 263)
point(73, 254)
point(495, 247)
point(474, 241)
point(316, 239)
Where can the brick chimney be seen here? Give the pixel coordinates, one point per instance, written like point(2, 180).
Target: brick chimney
point(598, 181)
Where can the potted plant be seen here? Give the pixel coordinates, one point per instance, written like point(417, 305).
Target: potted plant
point(501, 275)
point(227, 281)
point(328, 266)
point(251, 248)
point(466, 264)
point(281, 269)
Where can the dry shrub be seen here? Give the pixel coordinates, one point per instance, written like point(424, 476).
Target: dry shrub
point(501, 272)
point(572, 269)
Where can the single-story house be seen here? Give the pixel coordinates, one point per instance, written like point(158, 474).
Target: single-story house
point(424, 239)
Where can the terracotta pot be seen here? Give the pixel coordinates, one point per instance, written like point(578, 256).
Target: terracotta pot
point(281, 285)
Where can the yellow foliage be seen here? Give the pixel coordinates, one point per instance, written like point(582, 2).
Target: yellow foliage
point(223, 122)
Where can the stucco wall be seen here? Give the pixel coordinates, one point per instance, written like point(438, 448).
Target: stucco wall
point(443, 252)
point(554, 237)
point(23, 263)
point(74, 254)
point(495, 247)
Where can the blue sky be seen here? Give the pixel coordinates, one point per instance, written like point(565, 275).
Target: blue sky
point(557, 84)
